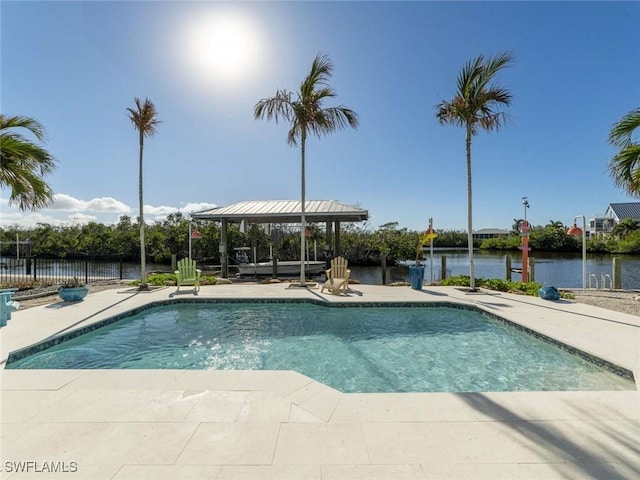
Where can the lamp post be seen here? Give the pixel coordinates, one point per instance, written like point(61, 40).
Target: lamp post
point(430, 234)
point(193, 234)
point(576, 231)
point(525, 242)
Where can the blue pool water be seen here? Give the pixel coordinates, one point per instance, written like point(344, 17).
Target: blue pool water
point(358, 349)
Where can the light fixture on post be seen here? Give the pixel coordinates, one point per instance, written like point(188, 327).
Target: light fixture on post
point(193, 234)
point(577, 231)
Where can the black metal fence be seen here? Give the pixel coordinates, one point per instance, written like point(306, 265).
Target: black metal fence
point(55, 269)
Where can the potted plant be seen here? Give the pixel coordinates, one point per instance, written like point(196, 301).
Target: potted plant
point(416, 272)
point(73, 290)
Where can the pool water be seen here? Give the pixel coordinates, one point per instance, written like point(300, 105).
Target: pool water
point(358, 349)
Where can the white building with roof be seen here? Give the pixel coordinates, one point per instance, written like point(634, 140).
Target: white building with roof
point(613, 215)
point(485, 233)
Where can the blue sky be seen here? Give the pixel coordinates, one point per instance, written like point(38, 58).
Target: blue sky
point(77, 66)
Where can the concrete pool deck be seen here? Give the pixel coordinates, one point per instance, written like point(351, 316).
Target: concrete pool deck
point(179, 424)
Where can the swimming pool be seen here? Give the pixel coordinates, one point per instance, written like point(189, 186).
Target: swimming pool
point(353, 349)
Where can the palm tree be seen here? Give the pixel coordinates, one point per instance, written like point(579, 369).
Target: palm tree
point(515, 228)
point(625, 227)
point(476, 106)
point(625, 165)
point(144, 120)
point(304, 110)
point(556, 225)
point(24, 163)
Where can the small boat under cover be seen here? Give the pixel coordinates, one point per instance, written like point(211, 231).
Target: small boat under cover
point(285, 267)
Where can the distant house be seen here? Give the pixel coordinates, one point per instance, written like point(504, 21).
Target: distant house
point(615, 213)
point(485, 233)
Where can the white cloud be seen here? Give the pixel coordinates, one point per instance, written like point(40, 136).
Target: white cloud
point(68, 203)
point(27, 219)
point(158, 211)
point(68, 210)
point(82, 218)
point(108, 204)
point(196, 207)
point(159, 214)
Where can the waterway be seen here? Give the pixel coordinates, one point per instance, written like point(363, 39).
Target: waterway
point(563, 270)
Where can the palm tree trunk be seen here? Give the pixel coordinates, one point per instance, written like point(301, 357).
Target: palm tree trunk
point(472, 279)
point(303, 222)
point(143, 256)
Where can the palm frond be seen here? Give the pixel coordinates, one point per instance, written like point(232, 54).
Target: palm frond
point(451, 113)
point(490, 68)
point(319, 75)
point(625, 169)
point(276, 107)
point(29, 191)
point(469, 72)
point(144, 117)
point(478, 100)
point(307, 113)
point(622, 130)
point(23, 163)
point(7, 122)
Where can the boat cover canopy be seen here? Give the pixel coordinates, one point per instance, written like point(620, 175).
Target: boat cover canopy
point(284, 211)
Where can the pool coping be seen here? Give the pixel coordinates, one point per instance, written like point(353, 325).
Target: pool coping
point(286, 425)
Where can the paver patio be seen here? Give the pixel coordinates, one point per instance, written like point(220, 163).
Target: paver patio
point(181, 424)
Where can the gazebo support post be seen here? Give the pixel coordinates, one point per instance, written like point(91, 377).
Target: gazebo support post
point(223, 249)
point(329, 243)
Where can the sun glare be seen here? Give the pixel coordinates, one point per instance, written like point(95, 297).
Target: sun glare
point(223, 47)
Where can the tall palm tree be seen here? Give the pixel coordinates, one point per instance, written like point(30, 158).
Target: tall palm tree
point(625, 165)
point(476, 105)
point(23, 163)
point(305, 112)
point(144, 119)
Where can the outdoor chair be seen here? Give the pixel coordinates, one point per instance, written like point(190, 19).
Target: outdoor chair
point(337, 277)
point(188, 274)
point(7, 305)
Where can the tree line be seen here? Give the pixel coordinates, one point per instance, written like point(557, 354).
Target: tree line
point(360, 244)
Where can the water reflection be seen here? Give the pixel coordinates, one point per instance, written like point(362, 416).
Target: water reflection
point(563, 270)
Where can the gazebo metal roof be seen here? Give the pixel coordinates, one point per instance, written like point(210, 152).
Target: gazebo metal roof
point(285, 211)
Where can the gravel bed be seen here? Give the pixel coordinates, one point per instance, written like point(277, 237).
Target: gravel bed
point(625, 301)
point(36, 296)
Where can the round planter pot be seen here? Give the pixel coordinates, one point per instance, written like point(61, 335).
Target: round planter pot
point(73, 294)
point(416, 276)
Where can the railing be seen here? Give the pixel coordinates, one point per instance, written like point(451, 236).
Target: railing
point(603, 281)
point(54, 269)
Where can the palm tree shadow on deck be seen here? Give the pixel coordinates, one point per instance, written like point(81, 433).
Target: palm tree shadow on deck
point(597, 460)
point(431, 292)
point(84, 319)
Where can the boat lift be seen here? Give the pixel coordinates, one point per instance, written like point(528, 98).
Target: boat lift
point(17, 262)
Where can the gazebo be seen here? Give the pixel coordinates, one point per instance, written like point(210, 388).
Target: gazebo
point(330, 212)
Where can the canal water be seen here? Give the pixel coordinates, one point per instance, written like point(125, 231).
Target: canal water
point(563, 270)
